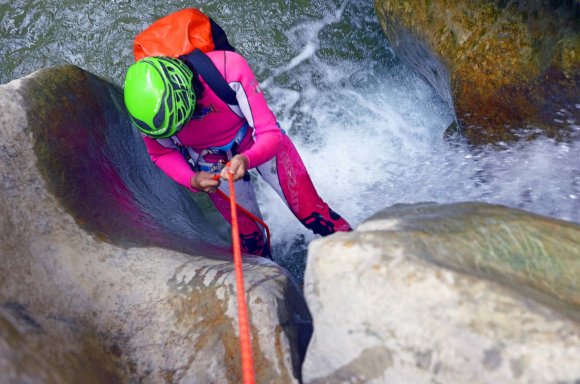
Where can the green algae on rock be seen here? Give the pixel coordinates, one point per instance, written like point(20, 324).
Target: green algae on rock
point(511, 64)
point(446, 293)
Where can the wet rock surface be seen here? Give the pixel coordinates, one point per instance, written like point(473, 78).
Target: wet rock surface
point(449, 293)
point(503, 66)
point(87, 294)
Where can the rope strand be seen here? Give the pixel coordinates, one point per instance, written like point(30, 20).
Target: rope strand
point(245, 343)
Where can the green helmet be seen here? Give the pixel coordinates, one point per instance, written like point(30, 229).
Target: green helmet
point(159, 96)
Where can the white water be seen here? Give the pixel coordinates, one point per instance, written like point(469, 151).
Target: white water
point(372, 137)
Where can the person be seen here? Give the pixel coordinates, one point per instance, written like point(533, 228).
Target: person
point(191, 134)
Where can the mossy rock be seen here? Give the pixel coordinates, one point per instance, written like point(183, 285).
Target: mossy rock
point(511, 64)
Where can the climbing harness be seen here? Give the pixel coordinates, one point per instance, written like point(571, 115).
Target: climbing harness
point(197, 160)
point(228, 150)
point(197, 163)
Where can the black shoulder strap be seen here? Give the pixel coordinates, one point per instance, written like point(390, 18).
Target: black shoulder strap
point(220, 40)
point(206, 68)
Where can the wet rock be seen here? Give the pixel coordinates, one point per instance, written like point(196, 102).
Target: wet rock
point(31, 354)
point(108, 271)
point(502, 65)
point(451, 293)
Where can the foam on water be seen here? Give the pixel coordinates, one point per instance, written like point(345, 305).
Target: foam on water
point(372, 137)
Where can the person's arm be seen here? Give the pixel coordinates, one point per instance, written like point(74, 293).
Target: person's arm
point(174, 165)
point(267, 134)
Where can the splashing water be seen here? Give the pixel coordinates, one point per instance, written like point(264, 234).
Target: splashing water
point(371, 134)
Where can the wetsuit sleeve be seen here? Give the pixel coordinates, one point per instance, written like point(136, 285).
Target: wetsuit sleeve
point(171, 162)
point(267, 134)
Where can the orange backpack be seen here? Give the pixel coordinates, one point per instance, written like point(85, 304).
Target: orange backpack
point(186, 35)
point(179, 34)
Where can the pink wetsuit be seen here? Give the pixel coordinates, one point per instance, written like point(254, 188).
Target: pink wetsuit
point(267, 148)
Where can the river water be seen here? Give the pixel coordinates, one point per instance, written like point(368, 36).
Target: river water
point(369, 129)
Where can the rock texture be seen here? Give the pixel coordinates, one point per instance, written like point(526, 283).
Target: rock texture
point(502, 64)
point(459, 293)
point(86, 293)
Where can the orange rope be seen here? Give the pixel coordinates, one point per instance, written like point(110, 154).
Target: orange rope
point(245, 343)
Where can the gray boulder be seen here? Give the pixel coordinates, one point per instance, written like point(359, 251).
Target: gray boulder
point(109, 271)
point(452, 293)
